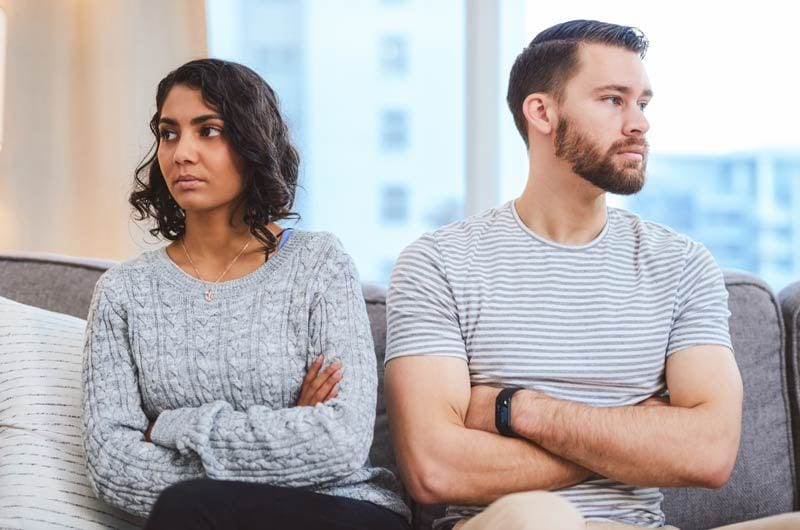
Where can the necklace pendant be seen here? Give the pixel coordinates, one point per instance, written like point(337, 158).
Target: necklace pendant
point(209, 295)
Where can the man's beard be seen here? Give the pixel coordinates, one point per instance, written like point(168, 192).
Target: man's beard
point(622, 178)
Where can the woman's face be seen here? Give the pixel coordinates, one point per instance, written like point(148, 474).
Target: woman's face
point(200, 168)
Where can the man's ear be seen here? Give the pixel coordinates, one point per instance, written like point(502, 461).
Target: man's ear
point(540, 113)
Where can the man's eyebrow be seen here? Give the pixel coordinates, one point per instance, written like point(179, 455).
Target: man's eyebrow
point(199, 119)
point(648, 93)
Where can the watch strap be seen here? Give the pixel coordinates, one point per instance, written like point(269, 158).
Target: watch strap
point(502, 411)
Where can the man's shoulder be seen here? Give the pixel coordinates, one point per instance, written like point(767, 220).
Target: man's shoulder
point(652, 232)
point(664, 243)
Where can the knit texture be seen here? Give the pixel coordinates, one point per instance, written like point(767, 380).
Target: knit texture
point(223, 377)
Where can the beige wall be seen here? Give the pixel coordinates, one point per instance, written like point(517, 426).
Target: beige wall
point(80, 90)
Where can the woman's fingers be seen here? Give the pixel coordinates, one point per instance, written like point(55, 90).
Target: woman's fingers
point(321, 395)
point(333, 393)
point(317, 385)
point(313, 370)
point(307, 389)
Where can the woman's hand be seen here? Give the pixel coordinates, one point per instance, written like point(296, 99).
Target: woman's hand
point(148, 431)
point(319, 387)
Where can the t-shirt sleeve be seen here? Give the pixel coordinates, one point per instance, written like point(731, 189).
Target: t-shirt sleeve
point(701, 309)
point(421, 313)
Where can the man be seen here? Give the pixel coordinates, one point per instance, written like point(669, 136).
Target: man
point(564, 323)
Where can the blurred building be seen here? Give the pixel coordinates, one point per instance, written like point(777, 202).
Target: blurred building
point(744, 207)
point(377, 112)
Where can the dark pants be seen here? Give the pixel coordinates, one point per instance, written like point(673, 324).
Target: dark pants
point(216, 504)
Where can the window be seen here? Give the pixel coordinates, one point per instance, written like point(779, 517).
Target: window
point(393, 51)
point(734, 188)
point(365, 108)
point(394, 130)
point(394, 205)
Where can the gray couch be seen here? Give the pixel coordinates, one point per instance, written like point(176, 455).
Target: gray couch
point(765, 331)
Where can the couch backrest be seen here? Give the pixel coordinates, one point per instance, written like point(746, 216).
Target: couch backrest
point(53, 282)
point(763, 482)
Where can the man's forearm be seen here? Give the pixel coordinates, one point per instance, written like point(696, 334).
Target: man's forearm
point(647, 446)
point(467, 466)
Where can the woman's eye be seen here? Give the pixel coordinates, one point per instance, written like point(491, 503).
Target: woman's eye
point(210, 131)
point(167, 135)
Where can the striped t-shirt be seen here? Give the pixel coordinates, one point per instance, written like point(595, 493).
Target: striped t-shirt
point(591, 323)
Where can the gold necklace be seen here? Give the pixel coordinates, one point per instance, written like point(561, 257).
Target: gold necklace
point(209, 294)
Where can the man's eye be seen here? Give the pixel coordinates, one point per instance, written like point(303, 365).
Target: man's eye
point(614, 100)
point(643, 105)
point(167, 135)
point(210, 131)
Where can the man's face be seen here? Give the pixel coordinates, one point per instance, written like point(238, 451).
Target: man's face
point(601, 125)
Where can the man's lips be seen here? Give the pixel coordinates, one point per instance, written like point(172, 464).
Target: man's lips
point(633, 152)
point(632, 155)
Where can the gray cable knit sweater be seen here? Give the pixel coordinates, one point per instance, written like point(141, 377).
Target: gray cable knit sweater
point(223, 377)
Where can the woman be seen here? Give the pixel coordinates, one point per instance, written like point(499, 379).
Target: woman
point(232, 370)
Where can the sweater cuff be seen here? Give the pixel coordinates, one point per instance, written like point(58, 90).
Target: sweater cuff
point(171, 425)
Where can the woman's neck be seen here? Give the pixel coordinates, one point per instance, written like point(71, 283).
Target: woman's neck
point(213, 241)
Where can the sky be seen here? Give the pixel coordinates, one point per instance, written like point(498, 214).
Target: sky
point(724, 74)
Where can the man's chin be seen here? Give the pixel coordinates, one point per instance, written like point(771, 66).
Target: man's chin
point(627, 186)
point(630, 178)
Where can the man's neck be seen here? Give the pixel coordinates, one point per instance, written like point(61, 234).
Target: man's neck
point(562, 208)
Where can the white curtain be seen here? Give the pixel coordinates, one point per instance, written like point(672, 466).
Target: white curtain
point(80, 87)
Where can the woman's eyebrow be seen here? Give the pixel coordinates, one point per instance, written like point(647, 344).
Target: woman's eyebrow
point(199, 119)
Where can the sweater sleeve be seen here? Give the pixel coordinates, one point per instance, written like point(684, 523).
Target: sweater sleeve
point(123, 469)
point(297, 446)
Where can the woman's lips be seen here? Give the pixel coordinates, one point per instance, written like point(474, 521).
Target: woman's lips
point(188, 184)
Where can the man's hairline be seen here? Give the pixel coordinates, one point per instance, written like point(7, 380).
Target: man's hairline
point(558, 92)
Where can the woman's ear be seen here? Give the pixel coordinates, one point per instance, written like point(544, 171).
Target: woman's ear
point(540, 113)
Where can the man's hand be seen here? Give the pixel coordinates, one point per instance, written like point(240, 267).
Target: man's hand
point(480, 414)
point(319, 387)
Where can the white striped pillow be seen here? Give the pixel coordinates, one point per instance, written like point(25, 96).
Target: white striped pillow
point(43, 480)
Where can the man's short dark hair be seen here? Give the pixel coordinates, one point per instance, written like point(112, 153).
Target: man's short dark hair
point(551, 59)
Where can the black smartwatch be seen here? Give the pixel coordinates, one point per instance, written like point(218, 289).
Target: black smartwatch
point(502, 411)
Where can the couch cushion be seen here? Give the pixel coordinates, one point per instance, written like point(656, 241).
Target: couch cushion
point(763, 481)
point(43, 480)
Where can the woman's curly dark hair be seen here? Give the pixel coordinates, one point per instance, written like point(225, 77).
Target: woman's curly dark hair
point(255, 131)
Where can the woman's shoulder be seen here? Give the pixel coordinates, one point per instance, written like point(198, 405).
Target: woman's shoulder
point(316, 241)
point(322, 253)
point(319, 247)
point(130, 269)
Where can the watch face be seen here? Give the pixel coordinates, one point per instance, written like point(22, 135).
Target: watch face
point(504, 415)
